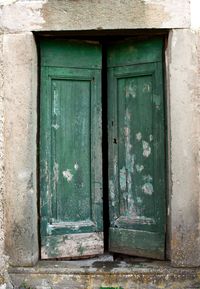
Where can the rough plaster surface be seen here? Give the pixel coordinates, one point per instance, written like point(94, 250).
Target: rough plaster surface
point(1, 157)
point(20, 89)
point(194, 15)
point(20, 15)
point(2, 175)
point(185, 146)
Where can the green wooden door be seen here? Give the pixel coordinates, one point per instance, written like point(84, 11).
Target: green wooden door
point(136, 148)
point(70, 149)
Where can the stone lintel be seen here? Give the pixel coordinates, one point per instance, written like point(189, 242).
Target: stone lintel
point(53, 15)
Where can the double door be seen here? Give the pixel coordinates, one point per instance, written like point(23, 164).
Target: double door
point(72, 221)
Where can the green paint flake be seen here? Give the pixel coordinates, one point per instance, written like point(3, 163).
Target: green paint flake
point(123, 179)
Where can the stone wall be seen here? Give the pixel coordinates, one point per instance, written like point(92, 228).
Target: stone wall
point(20, 75)
point(184, 144)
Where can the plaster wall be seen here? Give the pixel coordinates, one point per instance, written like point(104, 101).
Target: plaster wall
point(21, 16)
point(20, 87)
point(2, 235)
point(184, 124)
point(18, 123)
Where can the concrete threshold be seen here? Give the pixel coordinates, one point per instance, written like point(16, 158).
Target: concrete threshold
point(104, 273)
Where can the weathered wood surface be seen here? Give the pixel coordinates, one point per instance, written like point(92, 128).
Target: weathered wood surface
point(136, 148)
point(72, 245)
point(70, 145)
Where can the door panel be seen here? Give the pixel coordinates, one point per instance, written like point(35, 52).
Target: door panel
point(70, 150)
point(136, 149)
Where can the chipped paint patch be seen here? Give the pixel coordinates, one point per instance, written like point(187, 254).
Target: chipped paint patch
point(72, 245)
point(112, 192)
point(131, 89)
point(55, 175)
point(129, 183)
point(68, 175)
point(49, 230)
point(148, 188)
point(123, 179)
point(139, 200)
point(128, 115)
point(130, 163)
point(56, 104)
point(130, 158)
point(76, 166)
point(147, 178)
point(111, 186)
point(138, 136)
point(115, 166)
point(126, 131)
point(139, 168)
point(147, 87)
point(146, 149)
point(132, 213)
point(150, 137)
point(56, 126)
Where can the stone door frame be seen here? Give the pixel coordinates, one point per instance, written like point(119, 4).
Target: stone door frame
point(19, 78)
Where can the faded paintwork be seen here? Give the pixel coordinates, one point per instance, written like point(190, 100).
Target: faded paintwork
point(66, 101)
point(146, 149)
point(70, 245)
point(70, 149)
point(137, 174)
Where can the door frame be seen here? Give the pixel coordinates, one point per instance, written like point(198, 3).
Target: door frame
point(104, 40)
point(183, 223)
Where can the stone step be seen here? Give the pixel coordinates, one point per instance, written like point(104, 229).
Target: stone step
point(104, 274)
